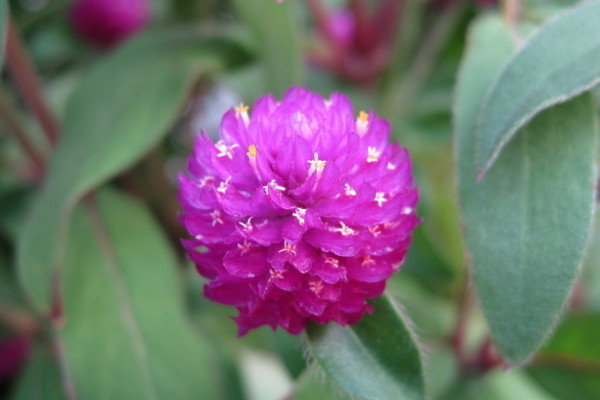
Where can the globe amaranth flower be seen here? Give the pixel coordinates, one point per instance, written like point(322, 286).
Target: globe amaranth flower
point(105, 23)
point(300, 212)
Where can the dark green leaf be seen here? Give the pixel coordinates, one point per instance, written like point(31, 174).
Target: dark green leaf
point(40, 379)
point(561, 61)
point(10, 292)
point(125, 335)
point(496, 385)
point(277, 39)
point(121, 109)
point(527, 223)
point(569, 365)
point(14, 204)
point(377, 358)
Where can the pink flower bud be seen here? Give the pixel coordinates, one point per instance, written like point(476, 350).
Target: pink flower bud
point(105, 23)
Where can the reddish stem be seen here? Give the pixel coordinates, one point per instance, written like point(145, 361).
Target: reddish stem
point(487, 356)
point(387, 20)
point(26, 79)
point(9, 116)
point(458, 338)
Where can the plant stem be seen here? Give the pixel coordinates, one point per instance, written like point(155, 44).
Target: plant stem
point(26, 79)
point(67, 378)
point(9, 115)
point(458, 337)
point(486, 357)
point(567, 361)
point(512, 11)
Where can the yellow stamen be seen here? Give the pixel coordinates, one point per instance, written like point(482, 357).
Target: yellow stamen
point(242, 108)
point(252, 151)
point(363, 117)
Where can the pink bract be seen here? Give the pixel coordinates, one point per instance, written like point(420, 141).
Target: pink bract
point(105, 23)
point(300, 212)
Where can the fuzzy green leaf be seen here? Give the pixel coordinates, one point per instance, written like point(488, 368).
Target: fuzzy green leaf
point(559, 62)
point(378, 358)
point(314, 384)
point(526, 224)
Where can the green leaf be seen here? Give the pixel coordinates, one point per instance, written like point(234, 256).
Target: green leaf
point(276, 37)
point(378, 358)
point(40, 378)
point(14, 205)
point(125, 334)
point(497, 385)
point(314, 384)
point(559, 62)
point(526, 224)
point(121, 109)
point(10, 292)
point(569, 365)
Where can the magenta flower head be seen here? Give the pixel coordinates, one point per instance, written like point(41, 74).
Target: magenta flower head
point(300, 212)
point(106, 23)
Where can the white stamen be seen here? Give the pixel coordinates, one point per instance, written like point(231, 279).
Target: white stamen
point(333, 262)
point(204, 181)
point(316, 286)
point(380, 198)
point(273, 274)
point(300, 213)
point(367, 260)
point(362, 123)
point(288, 248)
point(224, 150)
point(372, 154)
point(216, 218)
point(223, 185)
point(273, 184)
point(407, 210)
point(248, 225)
point(375, 230)
point(391, 166)
point(349, 190)
point(344, 230)
point(316, 165)
point(242, 111)
point(244, 247)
